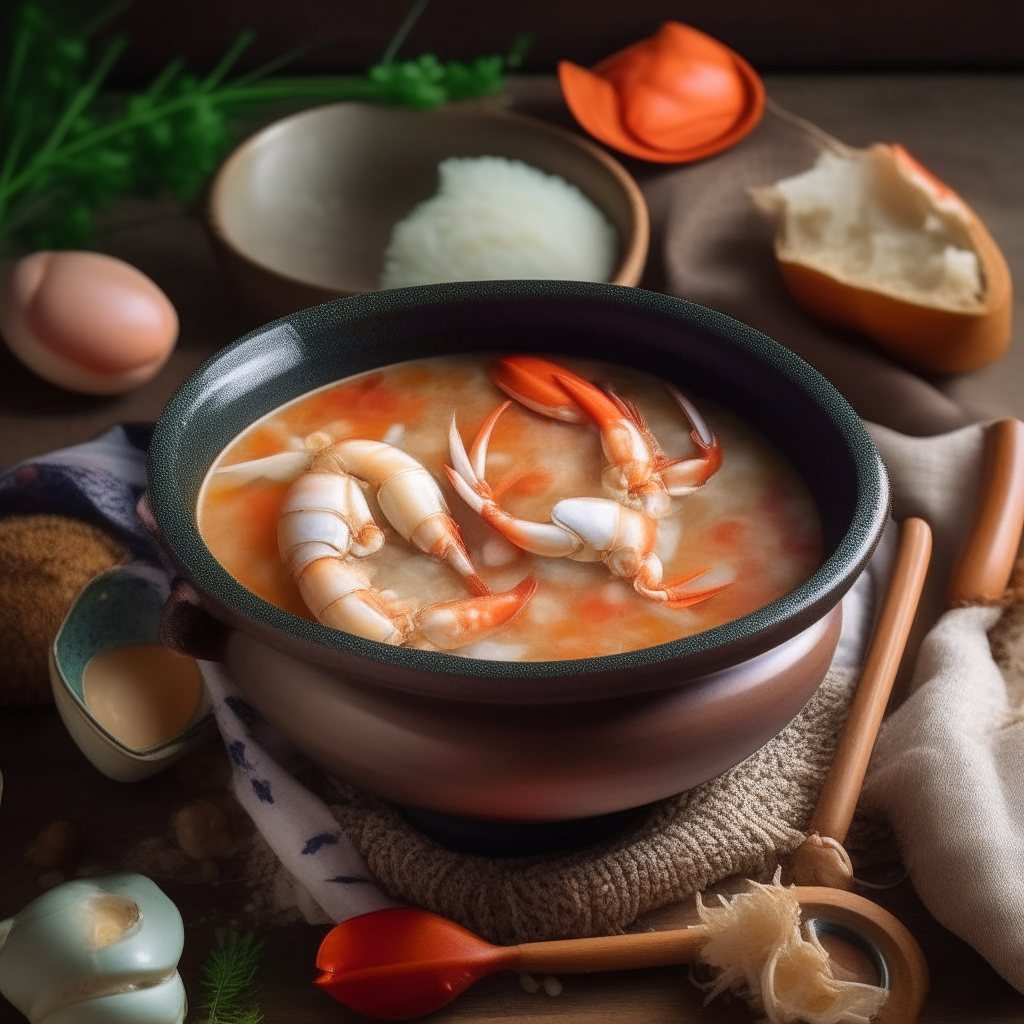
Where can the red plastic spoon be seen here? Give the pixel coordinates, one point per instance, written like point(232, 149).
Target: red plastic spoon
point(401, 963)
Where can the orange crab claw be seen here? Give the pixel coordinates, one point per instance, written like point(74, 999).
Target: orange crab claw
point(453, 624)
point(695, 597)
point(683, 476)
point(628, 446)
point(674, 594)
point(530, 380)
point(599, 407)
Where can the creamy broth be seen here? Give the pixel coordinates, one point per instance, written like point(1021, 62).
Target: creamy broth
point(144, 694)
point(754, 525)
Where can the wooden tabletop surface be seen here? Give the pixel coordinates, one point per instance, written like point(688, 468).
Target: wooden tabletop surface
point(967, 128)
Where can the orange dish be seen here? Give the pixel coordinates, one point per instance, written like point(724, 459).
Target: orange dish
point(677, 96)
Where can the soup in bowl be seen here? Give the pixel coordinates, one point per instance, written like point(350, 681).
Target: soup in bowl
point(563, 543)
point(623, 665)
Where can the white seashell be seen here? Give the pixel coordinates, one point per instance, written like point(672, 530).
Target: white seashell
point(95, 951)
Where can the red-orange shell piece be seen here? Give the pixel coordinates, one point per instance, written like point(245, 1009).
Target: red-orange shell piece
point(676, 96)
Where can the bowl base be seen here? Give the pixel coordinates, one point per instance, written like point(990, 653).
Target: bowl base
point(519, 838)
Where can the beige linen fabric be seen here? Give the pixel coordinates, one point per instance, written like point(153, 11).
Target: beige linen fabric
point(948, 768)
point(948, 773)
point(936, 478)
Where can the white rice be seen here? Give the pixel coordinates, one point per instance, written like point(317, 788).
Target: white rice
point(499, 219)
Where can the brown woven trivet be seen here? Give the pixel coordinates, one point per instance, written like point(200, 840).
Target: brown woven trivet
point(742, 823)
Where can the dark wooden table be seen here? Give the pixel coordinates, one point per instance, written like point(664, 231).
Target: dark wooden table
point(967, 128)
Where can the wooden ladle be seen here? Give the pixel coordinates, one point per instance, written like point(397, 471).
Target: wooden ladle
point(400, 963)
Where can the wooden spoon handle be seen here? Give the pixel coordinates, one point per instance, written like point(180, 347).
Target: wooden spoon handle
point(838, 797)
point(904, 962)
point(612, 952)
point(986, 561)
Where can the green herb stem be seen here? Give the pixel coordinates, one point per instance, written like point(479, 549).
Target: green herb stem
point(338, 89)
point(63, 153)
point(19, 53)
point(214, 78)
point(408, 23)
point(164, 79)
point(80, 101)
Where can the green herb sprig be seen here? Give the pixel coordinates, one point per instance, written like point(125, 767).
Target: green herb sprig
point(66, 149)
point(228, 981)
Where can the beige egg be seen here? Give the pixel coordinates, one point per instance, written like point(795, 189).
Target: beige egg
point(86, 321)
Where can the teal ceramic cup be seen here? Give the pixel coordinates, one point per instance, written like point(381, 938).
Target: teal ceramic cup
point(120, 608)
point(627, 728)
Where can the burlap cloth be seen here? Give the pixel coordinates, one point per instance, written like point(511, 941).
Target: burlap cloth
point(712, 246)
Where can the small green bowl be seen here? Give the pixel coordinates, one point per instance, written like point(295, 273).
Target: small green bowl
point(119, 608)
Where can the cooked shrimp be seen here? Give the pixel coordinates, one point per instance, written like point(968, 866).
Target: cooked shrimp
point(325, 506)
point(338, 592)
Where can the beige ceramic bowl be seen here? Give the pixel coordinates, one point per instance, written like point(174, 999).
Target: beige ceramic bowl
point(303, 210)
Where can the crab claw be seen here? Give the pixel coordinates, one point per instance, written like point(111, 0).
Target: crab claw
point(648, 583)
point(684, 476)
point(467, 477)
point(531, 381)
point(454, 624)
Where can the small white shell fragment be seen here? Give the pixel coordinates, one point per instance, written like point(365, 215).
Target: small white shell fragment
point(529, 983)
point(394, 433)
point(552, 986)
point(497, 552)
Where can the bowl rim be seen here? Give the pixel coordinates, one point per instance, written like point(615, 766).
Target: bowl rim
point(631, 263)
point(176, 520)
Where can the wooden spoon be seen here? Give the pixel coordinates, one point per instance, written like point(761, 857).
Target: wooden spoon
point(986, 560)
point(981, 574)
point(400, 963)
point(821, 858)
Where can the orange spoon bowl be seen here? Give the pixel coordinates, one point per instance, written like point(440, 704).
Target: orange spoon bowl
point(677, 96)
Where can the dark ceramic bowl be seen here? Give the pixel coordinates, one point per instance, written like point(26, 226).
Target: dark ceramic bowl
point(589, 736)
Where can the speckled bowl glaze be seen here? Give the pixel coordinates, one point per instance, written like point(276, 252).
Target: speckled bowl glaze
point(528, 741)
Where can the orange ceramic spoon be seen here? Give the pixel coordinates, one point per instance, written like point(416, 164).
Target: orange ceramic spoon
point(679, 95)
point(401, 963)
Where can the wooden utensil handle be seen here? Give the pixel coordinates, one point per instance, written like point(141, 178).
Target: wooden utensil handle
point(986, 561)
point(612, 952)
point(838, 797)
